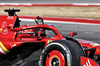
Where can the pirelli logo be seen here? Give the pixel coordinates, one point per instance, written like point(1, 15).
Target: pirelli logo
point(3, 49)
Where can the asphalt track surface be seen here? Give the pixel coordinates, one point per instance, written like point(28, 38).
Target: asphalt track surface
point(49, 1)
point(86, 32)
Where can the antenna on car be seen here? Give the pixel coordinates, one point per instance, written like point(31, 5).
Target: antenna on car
point(39, 20)
point(11, 12)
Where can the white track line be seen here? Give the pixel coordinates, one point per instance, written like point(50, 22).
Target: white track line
point(86, 3)
point(59, 3)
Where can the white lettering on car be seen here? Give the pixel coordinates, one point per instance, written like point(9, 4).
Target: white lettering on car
point(10, 17)
point(5, 31)
point(13, 45)
point(3, 25)
point(87, 63)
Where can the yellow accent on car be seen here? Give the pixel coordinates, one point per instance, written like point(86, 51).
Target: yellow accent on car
point(4, 48)
point(49, 41)
point(30, 29)
point(1, 29)
point(97, 50)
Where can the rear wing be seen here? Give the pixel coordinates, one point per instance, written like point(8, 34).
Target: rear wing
point(12, 12)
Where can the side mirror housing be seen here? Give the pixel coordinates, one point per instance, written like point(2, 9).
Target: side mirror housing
point(72, 34)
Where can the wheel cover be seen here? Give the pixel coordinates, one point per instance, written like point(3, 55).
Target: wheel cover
point(55, 58)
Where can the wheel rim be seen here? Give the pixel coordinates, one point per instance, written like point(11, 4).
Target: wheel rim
point(55, 58)
point(55, 62)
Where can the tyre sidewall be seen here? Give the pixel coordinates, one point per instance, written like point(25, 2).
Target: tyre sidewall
point(56, 46)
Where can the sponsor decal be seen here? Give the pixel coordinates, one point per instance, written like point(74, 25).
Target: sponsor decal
point(10, 24)
point(95, 44)
point(87, 63)
point(68, 60)
point(10, 17)
point(4, 24)
point(13, 45)
point(3, 49)
point(49, 41)
point(5, 31)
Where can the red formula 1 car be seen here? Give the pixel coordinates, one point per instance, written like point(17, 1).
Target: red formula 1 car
point(42, 43)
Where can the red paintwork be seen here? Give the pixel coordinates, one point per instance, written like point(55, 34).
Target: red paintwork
point(88, 62)
point(7, 36)
point(55, 54)
point(7, 21)
point(9, 40)
point(90, 44)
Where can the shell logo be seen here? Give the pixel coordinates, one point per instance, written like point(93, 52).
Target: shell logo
point(49, 41)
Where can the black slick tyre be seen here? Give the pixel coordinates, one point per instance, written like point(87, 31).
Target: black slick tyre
point(61, 53)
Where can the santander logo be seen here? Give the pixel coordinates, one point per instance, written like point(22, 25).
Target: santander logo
point(87, 63)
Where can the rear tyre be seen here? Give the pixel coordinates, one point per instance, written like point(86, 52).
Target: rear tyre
point(61, 53)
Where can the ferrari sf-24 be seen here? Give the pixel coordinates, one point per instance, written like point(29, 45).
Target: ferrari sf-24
point(42, 43)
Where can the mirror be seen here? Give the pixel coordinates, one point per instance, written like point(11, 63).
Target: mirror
point(72, 34)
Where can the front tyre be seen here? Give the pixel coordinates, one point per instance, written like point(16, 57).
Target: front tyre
point(61, 53)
